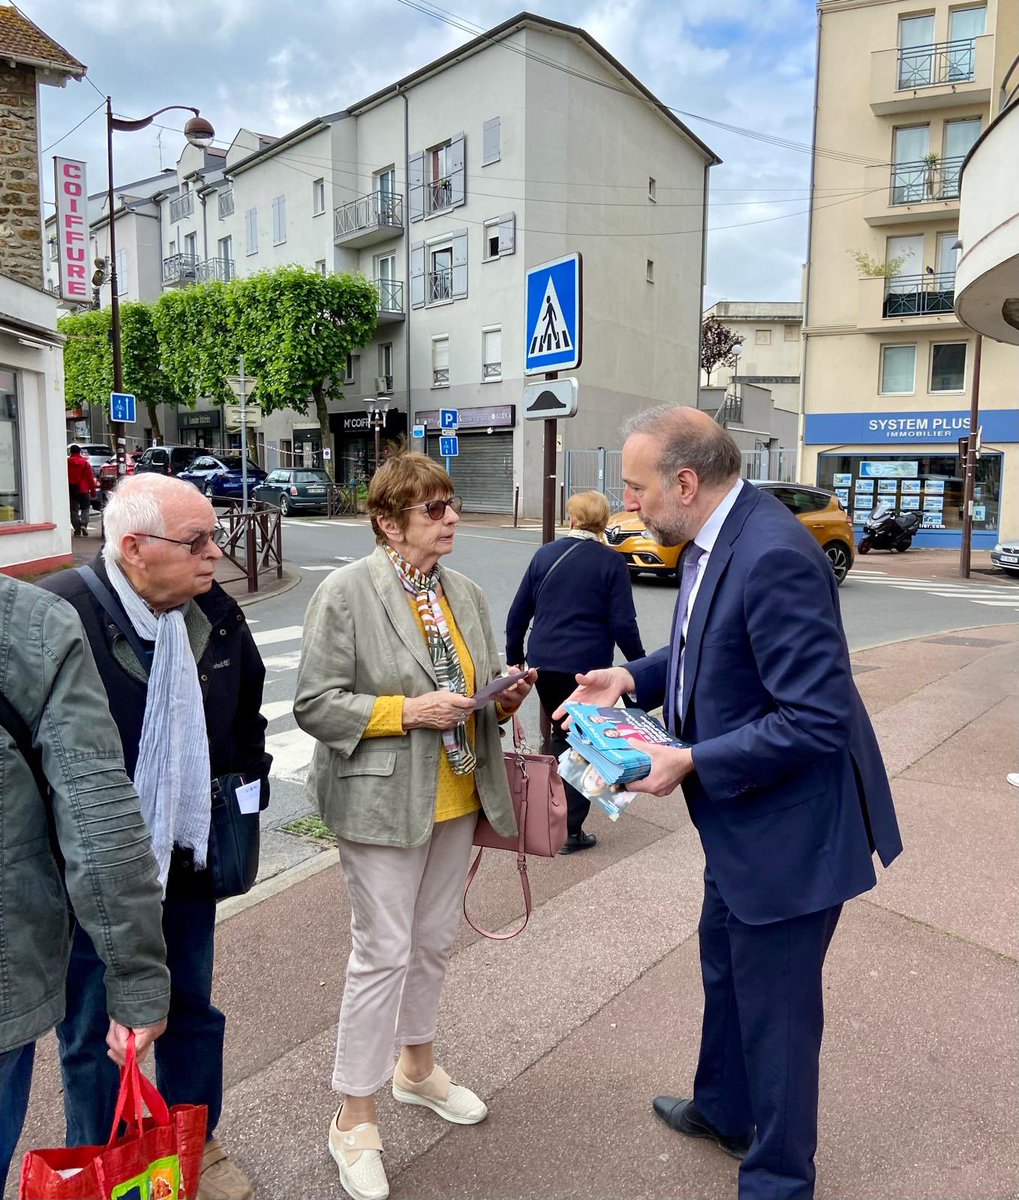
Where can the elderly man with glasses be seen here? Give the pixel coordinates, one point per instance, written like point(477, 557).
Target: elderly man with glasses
point(184, 681)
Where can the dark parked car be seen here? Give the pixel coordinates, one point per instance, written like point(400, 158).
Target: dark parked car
point(167, 460)
point(295, 489)
point(222, 478)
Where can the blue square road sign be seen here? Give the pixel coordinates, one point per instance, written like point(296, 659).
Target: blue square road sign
point(449, 418)
point(449, 447)
point(122, 407)
point(553, 317)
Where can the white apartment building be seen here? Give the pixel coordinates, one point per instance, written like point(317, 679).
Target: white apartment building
point(526, 144)
point(769, 356)
point(905, 93)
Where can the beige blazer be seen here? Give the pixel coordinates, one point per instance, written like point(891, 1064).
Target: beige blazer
point(362, 640)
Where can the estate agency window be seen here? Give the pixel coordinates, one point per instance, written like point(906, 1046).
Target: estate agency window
point(930, 483)
point(11, 499)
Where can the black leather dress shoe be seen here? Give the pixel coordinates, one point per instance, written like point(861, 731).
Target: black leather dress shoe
point(578, 841)
point(683, 1116)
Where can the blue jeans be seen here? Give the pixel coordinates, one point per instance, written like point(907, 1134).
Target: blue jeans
point(189, 1055)
point(15, 1083)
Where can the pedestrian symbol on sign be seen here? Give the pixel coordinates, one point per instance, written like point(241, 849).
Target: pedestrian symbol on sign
point(550, 333)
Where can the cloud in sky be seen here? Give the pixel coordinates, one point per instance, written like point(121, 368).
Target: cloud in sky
point(271, 65)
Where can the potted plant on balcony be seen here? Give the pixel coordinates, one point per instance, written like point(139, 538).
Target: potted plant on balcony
point(868, 265)
point(931, 162)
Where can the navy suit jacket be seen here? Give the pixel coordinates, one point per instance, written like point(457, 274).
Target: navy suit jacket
point(789, 793)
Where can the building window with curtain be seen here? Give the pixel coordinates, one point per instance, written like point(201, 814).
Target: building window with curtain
point(440, 362)
point(279, 220)
point(12, 503)
point(898, 370)
point(491, 354)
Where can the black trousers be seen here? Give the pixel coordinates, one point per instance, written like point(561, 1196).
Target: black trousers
point(553, 688)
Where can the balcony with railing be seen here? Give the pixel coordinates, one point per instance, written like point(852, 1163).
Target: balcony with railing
point(939, 75)
point(390, 300)
point(438, 194)
point(906, 301)
point(180, 270)
point(919, 295)
point(226, 203)
point(911, 191)
point(215, 270)
point(182, 206)
point(368, 219)
point(440, 285)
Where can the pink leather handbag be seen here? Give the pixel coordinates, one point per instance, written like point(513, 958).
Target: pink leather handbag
point(539, 803)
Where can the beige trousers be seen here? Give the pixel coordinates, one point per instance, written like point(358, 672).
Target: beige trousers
point(405, 908)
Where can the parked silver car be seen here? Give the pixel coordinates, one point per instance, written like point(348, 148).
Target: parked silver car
point(1005, 556)
point(96, 453)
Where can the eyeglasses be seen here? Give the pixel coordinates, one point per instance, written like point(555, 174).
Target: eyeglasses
point(436, 509)
point(197, 544)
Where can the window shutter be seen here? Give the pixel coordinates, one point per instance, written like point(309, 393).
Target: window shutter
point(417, 275)
point(459, 242)
point(455, 158)
point(416, 184)
point(490, 142)
point(507, 233)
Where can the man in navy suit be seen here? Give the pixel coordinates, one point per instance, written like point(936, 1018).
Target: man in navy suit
point(784, 783)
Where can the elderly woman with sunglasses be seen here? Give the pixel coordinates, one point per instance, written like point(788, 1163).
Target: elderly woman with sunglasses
point(394, 648)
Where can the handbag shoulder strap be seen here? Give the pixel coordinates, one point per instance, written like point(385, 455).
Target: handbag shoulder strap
point(113, 610)
point(525, 887)
point(562, 557)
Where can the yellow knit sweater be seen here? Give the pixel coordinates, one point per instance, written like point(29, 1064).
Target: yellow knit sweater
point(456, 795)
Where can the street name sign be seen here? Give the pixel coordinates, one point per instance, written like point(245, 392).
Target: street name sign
point(553, 316)
point(553, 398)
point(123, 407)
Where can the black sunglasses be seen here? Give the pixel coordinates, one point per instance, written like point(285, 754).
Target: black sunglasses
point(436, 509)
point(197, 544)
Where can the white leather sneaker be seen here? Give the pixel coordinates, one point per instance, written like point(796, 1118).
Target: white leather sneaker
point(358, 1154)
point(453, 1103)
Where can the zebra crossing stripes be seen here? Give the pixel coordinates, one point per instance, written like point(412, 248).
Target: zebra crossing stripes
point(990, 595)
point(291, 749)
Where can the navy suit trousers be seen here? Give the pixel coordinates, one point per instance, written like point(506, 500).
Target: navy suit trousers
point(761, 1041)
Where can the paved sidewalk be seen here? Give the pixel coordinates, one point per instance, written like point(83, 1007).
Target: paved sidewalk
point(569, 1030)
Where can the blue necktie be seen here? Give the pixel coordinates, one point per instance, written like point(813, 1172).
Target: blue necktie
point(691, 559)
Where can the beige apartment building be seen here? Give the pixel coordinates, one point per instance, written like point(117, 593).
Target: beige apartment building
point(904, 92)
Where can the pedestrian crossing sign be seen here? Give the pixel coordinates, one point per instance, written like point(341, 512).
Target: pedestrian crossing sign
point(553, 317)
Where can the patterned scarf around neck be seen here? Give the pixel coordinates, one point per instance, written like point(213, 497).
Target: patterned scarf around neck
point(424, 588)
point(172, 776)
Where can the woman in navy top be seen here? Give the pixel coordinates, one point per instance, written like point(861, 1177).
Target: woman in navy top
point(576, 596)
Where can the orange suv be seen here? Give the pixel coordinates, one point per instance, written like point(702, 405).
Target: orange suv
point(820, 511)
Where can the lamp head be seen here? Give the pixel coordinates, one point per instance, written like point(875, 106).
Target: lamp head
point(199, 132)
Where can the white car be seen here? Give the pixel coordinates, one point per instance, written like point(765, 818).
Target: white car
point(96, 454)
point(1005, 556)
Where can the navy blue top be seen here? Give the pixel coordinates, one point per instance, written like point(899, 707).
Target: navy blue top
point(584, 610)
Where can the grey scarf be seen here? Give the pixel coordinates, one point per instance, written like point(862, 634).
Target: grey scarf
point(173, 777)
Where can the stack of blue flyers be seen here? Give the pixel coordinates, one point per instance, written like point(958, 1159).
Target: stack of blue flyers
point(601, 736)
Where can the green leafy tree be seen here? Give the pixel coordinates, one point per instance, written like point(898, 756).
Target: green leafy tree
point(296, 328)
point(88, 359)
point(197, 344)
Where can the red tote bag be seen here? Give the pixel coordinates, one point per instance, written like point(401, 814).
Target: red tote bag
point(159, 1157)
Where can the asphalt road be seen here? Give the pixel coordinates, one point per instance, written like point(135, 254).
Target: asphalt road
point(877, 608)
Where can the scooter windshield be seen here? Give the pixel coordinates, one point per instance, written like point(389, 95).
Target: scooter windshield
point(883, 510)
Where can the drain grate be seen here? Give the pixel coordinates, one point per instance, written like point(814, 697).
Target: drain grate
point(963, 641)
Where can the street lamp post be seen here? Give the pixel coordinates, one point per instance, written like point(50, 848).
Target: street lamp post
point(377, 407)
point(199, 133)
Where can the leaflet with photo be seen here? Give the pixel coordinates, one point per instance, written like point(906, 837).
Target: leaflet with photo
point(577, 771)
point(601, 736)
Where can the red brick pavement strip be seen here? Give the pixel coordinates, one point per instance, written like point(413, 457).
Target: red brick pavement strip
point(570, 1030)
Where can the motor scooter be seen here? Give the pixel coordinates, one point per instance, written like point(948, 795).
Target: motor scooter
point(886, 531)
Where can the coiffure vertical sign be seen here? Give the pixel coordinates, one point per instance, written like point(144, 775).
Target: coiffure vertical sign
point(72, 229)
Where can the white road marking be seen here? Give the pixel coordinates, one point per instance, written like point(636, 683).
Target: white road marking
point(287, 633)
point(275, 709)
point(289, 661)
point(291, 752)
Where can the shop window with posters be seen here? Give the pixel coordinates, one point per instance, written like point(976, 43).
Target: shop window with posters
point(11, 498)
point(930, 483)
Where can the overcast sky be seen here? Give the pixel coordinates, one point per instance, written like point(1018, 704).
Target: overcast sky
point(271, 65)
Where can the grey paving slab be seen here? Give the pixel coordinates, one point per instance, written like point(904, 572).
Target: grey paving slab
point(919, 1076)
point(958, 870)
